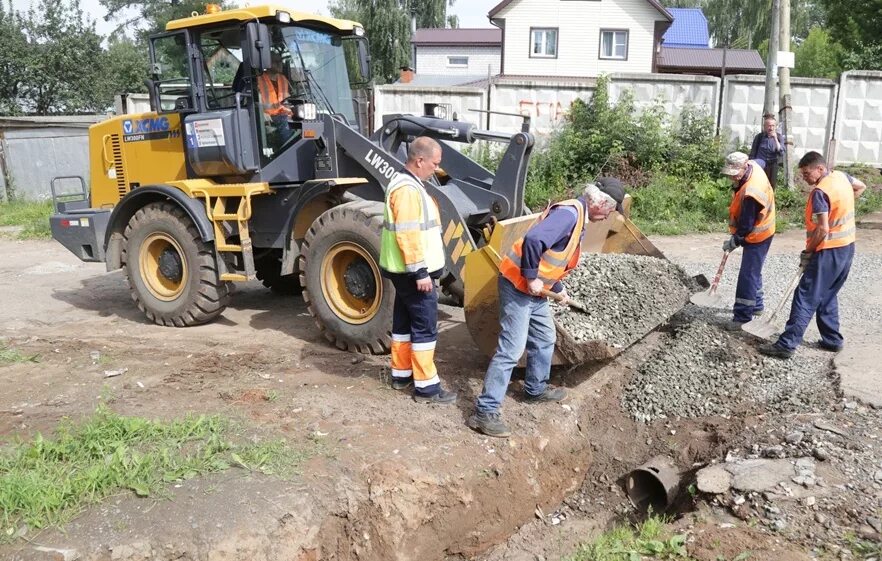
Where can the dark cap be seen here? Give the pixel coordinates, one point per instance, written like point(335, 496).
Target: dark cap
point(612, 187)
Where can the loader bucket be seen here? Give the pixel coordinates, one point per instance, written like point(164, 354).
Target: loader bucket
point(616, 234)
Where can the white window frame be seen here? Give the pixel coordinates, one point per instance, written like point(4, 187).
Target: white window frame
point(614, 44)
point(451, 64)
point(545, 32)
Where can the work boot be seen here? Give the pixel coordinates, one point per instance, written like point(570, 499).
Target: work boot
point(772, 349)
point(490, 424)
point(551, 394)
point(401, 383)
point(443, 397)
point(733, 325)
point(828, 347)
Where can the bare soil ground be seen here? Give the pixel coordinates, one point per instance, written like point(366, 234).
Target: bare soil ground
point(394, 480)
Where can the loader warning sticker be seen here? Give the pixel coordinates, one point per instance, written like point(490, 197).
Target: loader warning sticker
point(137, 130)
point(205, 133)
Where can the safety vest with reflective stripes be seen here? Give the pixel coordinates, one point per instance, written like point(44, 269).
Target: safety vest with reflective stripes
point(838, 189)
point(273, 91)
point(553, 265)
point(758, 188)
point(411, 237)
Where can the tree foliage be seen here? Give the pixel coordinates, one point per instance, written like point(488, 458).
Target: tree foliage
point(818, 56)
point(150, 16)
point(13, 50)
point(388, 27)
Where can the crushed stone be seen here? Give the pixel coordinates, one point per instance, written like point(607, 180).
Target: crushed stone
point(627, 296)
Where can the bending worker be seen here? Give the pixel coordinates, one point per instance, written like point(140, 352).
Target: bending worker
point(751, 225)
point(547, 253)
point(412, 256)
point(826, 260)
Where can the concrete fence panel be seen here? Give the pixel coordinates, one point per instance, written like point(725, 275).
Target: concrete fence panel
point(813, 101)
point(858, 136)
point(410, 99)
point(546, 101)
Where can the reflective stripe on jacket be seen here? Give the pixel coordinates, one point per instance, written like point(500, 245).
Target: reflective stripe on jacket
point(411, 238)
point(273, 91)
point(553, 265)
point(758, 188)
point(839, 191)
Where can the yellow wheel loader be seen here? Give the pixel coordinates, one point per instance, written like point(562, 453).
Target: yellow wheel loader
point(256, 162)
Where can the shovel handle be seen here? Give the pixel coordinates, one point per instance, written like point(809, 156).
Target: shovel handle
point(790, 288)
point(558, 298)
point(719, 275)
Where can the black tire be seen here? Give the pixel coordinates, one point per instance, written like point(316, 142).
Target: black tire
point(197, 296)
point(354, 225)
point(267, 268)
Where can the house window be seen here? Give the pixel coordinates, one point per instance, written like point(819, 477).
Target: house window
point(543, 43)
point(458, 61)
point(614, 44)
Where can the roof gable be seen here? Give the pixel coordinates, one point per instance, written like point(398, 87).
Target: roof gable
point(655, 4)
point(689, 29)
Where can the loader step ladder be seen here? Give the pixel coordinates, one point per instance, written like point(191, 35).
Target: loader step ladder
point(216, 205)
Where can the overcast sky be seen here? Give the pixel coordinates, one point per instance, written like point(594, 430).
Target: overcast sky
point(472, 13)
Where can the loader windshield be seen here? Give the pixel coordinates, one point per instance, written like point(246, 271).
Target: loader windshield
point(319, 62)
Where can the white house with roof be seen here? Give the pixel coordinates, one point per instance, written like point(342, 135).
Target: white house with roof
point(456, 53)
point(579, 37)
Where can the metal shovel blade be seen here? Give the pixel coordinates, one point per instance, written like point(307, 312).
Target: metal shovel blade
point(759, 327)
point(708, 298)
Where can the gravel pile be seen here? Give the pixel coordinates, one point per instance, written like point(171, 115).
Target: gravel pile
point(702, 370)
point(627, 296)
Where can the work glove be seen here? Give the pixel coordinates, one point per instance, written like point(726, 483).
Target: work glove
point(564, 297)
point(804, 258)
point(730, 244)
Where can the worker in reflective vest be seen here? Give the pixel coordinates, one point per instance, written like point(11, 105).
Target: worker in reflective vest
point(412, 256)
point(826, 260)
point(751, 225)
point(274, 90)
point(536, 262)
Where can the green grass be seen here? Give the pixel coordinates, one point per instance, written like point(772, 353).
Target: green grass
point(8, 355)
point(32, 217)
point(649, 540)
point(45, 482)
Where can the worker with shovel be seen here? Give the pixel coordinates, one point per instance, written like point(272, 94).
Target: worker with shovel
point(826, 260)
point(534, 264)
point(752, 226)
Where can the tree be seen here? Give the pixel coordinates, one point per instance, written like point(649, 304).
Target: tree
point(63, 61)
point(818, 56)
point(858, 28)
point(387, 24)
point(150, 16)
point(13, 49)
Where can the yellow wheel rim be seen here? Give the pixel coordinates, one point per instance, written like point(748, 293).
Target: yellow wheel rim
point(159, 285)
point(351, 283)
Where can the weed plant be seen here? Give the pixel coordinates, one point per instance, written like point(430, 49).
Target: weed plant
point(47, 481)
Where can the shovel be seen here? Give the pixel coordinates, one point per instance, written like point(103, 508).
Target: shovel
point(575, 304)
point(709, 298)
point(762, 327)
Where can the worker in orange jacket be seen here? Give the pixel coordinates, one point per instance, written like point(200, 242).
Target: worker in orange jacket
point(537, 262)
point(412, 256)
point(752, 226)
point(274, 89)
point(826, 261)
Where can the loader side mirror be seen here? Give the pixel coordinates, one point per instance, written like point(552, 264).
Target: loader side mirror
point(258, 41)
point(364, 58)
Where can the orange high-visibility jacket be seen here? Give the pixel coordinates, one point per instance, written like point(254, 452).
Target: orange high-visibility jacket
point(758, 188)
point(838, 189)
point(553, 265)
point(273, 91)
point(411, 236)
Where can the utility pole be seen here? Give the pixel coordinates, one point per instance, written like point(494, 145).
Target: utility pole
point(786, 110)
point(772, 63)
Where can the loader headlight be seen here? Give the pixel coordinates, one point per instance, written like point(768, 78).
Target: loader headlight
point(304, 112)
point(283, 17)
point(358, 30)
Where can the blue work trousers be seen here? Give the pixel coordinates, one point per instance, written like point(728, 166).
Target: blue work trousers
point(817, 294)
point(749, 291)
point(415, 320)
point(525, 322)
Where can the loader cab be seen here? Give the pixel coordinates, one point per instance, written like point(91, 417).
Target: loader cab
point(249, 90)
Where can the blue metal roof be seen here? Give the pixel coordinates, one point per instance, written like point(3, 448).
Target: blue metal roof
point(689, 29)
